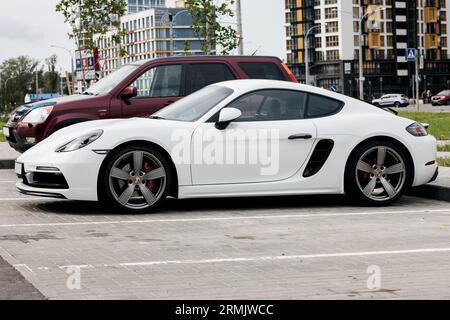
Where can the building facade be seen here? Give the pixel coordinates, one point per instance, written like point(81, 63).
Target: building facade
point(334, 43)
point(150, 34)
point(141, 5)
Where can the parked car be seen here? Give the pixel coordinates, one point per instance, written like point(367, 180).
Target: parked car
point(442, 98)
point(137, 89)
point(320, 142)
point(392, 100)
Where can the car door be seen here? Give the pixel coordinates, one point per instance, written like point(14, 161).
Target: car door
point(157, 87)
point(200, 75)
point(270, 141)
point(385, 100)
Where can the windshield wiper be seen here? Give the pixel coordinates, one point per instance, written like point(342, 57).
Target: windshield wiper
point(88, 93)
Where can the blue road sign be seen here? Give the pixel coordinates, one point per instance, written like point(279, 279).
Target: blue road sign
point(411, 54)
point(333, 88)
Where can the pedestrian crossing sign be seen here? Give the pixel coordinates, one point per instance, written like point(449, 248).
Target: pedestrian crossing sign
point(411, 54)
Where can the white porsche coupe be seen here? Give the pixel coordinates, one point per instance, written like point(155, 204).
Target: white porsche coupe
point(235, 139)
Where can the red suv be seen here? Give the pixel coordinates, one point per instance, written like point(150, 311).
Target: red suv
point(442, 98)
point(135, 90)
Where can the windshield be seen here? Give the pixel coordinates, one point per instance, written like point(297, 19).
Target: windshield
point(444, 93)
point(108, 83)
point(196, 105)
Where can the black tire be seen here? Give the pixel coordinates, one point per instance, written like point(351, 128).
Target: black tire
point(108, 186)
point(397, 104)
point(376, 104)
point(354, 178)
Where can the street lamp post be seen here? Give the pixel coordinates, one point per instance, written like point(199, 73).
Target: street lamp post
point(71, 64)
point(307, 80)
point(239, 27)
point(361, 44)
point(172, 42)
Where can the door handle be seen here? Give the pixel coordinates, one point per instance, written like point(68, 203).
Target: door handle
point(103, 113)
point(303, 136)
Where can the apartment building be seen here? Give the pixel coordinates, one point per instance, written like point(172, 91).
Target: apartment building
point(333, 43)
point(153, 33)
point(134, 6)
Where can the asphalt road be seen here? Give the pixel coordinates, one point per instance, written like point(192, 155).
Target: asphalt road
point(255, 248)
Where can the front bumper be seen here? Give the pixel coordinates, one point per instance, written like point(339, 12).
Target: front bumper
point(78, 169)
point(21, 137)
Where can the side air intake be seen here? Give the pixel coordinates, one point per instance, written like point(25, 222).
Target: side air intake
point(319, 157)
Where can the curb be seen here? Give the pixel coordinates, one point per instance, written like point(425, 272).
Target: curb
point(430, 191)
point(7, 164)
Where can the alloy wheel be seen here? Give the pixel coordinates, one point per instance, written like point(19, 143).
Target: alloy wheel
point(380, 173)
point(137, 179)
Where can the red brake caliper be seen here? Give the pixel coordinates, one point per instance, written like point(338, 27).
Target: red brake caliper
point(150, 183)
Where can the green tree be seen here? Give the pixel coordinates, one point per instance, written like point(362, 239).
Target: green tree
point(17, 79)
point(51, 78)
point(93, 17)
point(205, 18)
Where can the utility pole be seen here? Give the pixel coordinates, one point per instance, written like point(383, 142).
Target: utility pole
point(417, 79)
point(239, 27)
point(37, 81)
point(307, 77)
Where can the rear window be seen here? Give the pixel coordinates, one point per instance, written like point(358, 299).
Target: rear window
point(204, 74)
point(262, 70)
point(320, 106)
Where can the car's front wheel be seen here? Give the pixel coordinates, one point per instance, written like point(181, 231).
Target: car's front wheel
point(135, 179)
point(378, 173)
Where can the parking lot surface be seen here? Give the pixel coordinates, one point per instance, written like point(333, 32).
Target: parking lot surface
point(319, 247)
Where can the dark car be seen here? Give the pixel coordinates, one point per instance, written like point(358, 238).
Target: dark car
point(137, 89)
point(441, 99)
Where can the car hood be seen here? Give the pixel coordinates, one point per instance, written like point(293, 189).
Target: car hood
point(22, 110)
point(115, 132)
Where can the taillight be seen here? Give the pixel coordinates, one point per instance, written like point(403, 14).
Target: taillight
point(417, 130)
point(292, 78)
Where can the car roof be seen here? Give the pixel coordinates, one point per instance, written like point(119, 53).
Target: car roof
point(204, 57)
point(246, 85)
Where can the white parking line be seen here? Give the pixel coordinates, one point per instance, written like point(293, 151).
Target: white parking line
point(9, 181)
point(263, 258)
point(257, 217)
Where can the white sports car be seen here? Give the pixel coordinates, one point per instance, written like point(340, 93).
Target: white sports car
point(235, 139)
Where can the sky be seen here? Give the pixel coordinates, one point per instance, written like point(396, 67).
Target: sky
point(30, 27)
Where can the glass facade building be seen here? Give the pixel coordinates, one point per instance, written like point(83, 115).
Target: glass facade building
point(141, 5)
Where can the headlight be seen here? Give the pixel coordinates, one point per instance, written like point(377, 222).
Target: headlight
point(417, 130)
point(38, 115)
point(80, 142)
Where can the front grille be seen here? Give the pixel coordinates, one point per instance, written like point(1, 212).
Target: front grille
point(49, 180)
point(319, 157)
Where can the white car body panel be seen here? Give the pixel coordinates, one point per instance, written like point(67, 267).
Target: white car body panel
point(355, 123)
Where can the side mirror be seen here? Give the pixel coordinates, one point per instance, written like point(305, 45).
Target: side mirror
point(128, 93)
point(226, 116)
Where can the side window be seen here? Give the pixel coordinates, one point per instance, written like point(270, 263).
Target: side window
point(204, 74)
point(262, 70)
point(270, 105)
point(320, 106)
point(162, 81)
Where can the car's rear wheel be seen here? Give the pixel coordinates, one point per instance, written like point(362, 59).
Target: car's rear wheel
point(397, 104)
point(136, 179)
point(378, 173)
